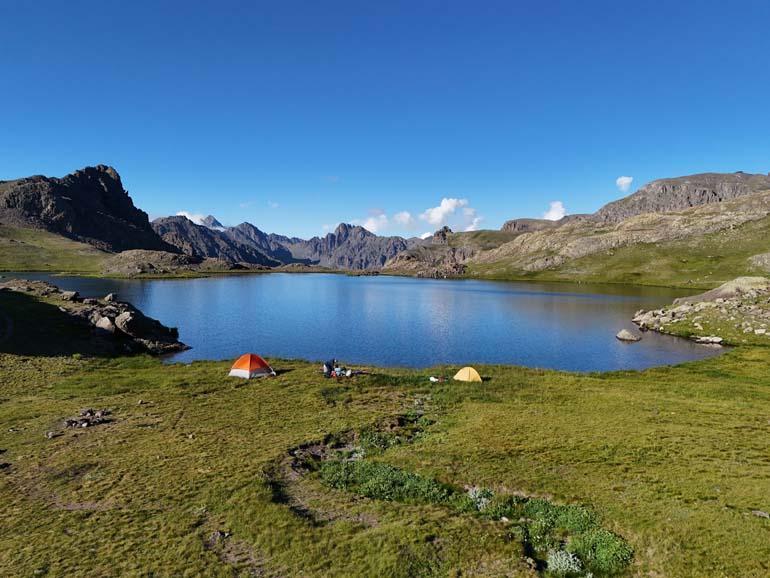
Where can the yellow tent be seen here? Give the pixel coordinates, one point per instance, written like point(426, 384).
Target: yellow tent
point(467, 374)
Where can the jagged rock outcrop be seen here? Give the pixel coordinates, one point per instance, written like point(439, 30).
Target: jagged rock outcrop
point(441, 237)
point(89, 205)
point(667, 195)
point(433, 261)
point(120, 324)
point(203, 242)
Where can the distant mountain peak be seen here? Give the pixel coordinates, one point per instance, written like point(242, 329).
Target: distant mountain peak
point(212, 223)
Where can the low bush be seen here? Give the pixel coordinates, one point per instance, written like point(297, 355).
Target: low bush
point(601, 550)
point(544, 526)
point(384, 482)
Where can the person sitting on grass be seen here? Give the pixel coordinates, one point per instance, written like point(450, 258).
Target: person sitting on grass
point(329, 368)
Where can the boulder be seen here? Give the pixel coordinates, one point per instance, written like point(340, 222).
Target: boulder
point(70, 295)
point(709, 340)
point(106, 325)
point(626, 335)
point(128, 323)
point(110, 297)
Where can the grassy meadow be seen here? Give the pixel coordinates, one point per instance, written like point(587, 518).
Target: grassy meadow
point(195, 473)
point(36, 250)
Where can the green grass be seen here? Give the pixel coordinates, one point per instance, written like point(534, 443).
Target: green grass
point(698, 263)
point(673, 460)
point(483, 240)
point(37, 250)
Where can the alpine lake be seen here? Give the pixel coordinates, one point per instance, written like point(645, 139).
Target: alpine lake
point(399, 321)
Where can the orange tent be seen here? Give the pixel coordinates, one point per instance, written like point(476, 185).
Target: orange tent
point(251, 365)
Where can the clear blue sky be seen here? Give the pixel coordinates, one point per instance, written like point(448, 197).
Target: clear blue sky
point(295, 115)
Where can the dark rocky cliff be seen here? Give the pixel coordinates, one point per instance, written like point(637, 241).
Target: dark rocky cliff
point(89, 205)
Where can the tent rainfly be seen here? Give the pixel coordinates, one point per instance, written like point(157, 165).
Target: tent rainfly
point(250, 365)
point(467, 374)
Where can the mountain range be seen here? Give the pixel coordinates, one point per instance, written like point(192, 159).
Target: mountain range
point(679, 216)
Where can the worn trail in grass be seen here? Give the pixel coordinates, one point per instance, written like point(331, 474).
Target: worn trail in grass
point(674, 460)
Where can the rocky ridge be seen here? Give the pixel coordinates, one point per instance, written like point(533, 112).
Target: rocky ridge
point(552, 248)
point(681, 193)
point(206, 243)
point(349, 247)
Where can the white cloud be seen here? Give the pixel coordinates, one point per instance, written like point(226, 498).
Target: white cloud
point(194, 217)
point(472, 219)
point(426, 235)
point(273, 204)
point(555, 211)
point(438, 216)
point(376, 222)
point(624, 183)
point(404, 218)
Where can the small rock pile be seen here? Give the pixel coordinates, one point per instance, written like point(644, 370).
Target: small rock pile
point(88, 418)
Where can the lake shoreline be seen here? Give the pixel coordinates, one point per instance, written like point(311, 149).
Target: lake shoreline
point(354, 273)
point(369, 320)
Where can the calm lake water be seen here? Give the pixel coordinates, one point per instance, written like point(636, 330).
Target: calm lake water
point(396, 321)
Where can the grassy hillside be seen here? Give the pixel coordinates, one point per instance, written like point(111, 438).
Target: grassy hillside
point(482, 240)
point(37, 250)
point(699, 262)
point(194, 476)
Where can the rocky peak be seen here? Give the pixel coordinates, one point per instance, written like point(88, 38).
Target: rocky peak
point(212, 223)
point(441, 237)
point(89, 205)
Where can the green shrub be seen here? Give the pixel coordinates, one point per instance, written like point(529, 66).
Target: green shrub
point(383, 482)
point(602, 551)
point(501, 506)
point(575, 519)
point(377, 441)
